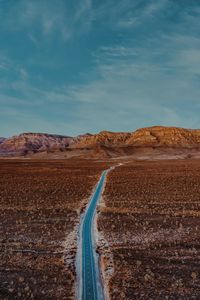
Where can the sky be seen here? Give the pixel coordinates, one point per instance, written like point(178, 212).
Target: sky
point(75, 66)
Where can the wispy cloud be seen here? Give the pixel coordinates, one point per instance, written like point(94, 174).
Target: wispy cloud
point(48, 17)
point(7, 66)
point(154, 87)
point(127, 14)
point(130, 87)
point(140, 14)
point(137, 65)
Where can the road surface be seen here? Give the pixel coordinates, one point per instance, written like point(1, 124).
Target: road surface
point(91, 283)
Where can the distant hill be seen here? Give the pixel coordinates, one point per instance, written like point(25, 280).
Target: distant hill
point(157, 140)
point(2, 140)
point(27, 143)
point(150, 136)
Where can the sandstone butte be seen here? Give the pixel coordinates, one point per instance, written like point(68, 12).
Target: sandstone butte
point(150, 137)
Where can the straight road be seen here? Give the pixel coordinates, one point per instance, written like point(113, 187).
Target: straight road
point(91, 284)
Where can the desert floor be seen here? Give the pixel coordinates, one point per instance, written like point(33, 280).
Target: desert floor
point(40, 206)
point(150, 218)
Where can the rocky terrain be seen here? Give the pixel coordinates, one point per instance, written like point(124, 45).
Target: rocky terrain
point(150, 221)
point(148, 142)
point(151, 136)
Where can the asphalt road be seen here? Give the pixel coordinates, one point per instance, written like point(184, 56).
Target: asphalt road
point(91, 283)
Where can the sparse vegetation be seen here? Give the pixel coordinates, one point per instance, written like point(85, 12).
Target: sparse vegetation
point(151, 221)
point(40, 204)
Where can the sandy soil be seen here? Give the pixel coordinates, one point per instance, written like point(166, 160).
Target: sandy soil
point(150, 220)
point(40, 206)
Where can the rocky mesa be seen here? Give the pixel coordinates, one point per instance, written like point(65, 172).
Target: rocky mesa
point(106, 143)
point(145, 137)
point(27, 143)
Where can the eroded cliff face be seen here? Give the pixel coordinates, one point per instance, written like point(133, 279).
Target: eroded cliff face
point(35, 142)
point(165, 136)
point(150, 136)
point(105, 143)
point(103, 138)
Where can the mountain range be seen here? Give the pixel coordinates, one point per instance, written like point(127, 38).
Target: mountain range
point(2, 140)
point(156, 141)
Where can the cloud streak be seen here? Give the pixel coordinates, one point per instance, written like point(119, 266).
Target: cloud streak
point(142, 14)
point(155, 87)
point(48, 17)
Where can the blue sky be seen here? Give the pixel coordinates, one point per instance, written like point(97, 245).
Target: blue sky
point(76, 66)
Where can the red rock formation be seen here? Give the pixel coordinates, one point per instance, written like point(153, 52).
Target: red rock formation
point(150, 136)
point(105, 143)
point(165, 136)
point(35, 142)
point(103, 138)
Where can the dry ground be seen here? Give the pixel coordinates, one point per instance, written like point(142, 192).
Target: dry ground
point(151, 220)
point(40, 205)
